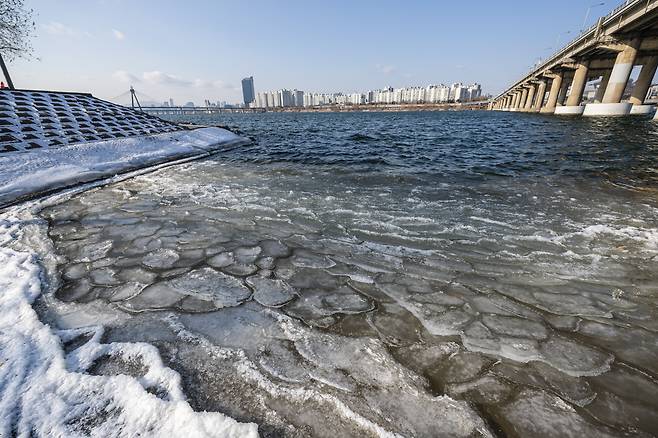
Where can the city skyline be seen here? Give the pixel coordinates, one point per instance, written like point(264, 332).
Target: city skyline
point(291, 97)
point(204, 50)
point(432, 94)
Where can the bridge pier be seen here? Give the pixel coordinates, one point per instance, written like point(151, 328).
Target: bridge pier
point(541, 94)
point(522, 100)
point(566, 83)
point(530, 98)
point(642, 87)
point(611, 105)
point(605, 78)
point(515, 101)
point(556, 86)
point(578, 83)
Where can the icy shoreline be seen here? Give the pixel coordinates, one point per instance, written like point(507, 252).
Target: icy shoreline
point(45, 385)
point(26, 174)
point(46, 389)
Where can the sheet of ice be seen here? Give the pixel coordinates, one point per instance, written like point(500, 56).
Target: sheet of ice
point(47, 391)
point(42, 170)
point(554, 306)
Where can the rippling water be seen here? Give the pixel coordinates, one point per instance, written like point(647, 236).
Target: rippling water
point(450, 274)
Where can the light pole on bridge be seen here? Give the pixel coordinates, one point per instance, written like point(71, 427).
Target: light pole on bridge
point(589, 9)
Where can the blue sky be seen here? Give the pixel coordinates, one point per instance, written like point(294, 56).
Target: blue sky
point(201, 49)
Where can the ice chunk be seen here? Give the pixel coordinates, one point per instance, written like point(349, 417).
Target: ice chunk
point(75, 271)
point(307, 259)
point(137, 275)
point(161, 259)
point(193, 304)
point(398, 328)
point(247, 255)
point(353, 272)
point(274, 248)
point(314, 305)
point(574, 358)
point(126, 291)
point(423, 357)
point(240, 270)
point(515, 327)
point(94, 251)
point(565, 304)
point(537, 374)
point(271, 293)
point(265, 263)
point(485, 390)
point(157, 296)
point(221, 260)
point(104, 277)
point(536, 413)
point(210, 285)
point(173, 272)
point(461, 367)
point(280, 362)
point(74, 291)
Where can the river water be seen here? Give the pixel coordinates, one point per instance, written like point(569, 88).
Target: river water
point(421, 274)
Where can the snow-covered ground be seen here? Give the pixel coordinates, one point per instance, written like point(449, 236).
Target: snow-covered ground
point(26, 173)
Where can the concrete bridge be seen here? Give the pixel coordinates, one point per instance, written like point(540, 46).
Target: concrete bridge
point(608, 51)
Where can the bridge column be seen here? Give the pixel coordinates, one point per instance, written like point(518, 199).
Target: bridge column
point(531, 98)
point(521, 103)
point(515, 101)
point(566, 82)
point(541, 93)
point(611, 104)
point(556, 86)
point(598, 97)
point(573, 106)
point(642, 87)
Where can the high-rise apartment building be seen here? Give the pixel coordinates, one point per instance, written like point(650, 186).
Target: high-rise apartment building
point(248, 92)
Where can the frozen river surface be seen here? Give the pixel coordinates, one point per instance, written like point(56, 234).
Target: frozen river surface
point(478, 275)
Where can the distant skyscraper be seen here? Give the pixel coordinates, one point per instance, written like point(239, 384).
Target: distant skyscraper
point(248, 92)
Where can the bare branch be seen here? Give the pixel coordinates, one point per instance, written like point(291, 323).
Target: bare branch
point(16, 29)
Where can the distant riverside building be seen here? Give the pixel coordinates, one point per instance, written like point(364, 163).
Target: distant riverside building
point(652, 94)
point(248, 91)
point(432, 94)
point(298, 98)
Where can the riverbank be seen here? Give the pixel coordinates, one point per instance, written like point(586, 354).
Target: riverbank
point(383, 108)
point(25, 175)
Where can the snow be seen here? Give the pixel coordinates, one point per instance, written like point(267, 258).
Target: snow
point(26, 173)
point(46, 390)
